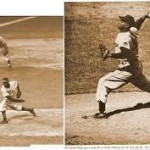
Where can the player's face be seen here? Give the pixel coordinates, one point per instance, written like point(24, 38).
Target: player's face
point(123, 26)
point(6, 84)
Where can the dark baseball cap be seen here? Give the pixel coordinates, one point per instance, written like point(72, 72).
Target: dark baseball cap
point(5, 80)
point(129, 19)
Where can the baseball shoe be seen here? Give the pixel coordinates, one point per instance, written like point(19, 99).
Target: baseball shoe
point(4, 122)
point(148, 15)
point(9, 66)
point(99, 115)
point(33, 112)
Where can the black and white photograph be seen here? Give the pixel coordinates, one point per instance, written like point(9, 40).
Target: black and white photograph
point(31, 80)
point(107, 75)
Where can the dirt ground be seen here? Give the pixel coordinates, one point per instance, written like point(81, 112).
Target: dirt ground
point(46, 128)
point(127, 120)
point(38, 67)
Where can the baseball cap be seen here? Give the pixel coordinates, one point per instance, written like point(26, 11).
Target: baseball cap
point(129, 19)
point(5, 80)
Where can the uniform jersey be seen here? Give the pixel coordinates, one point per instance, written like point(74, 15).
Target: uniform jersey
point(126, 40)
point(11, 91)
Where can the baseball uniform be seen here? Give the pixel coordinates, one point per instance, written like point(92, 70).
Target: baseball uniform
point(11, 91)
point(129, 70)
point(5, 49)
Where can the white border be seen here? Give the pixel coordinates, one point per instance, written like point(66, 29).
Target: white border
point(42, 7)
point(102, 0)
point(31, 7)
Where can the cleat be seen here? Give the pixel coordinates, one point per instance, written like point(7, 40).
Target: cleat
point(33, 112)
point(99, 115)
point(148, 15)
point(4, 122)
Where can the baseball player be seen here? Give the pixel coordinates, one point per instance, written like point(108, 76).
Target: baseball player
point(5, 50)
point(12, 93)
point(130, 68)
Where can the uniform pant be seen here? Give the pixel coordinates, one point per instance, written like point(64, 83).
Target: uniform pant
point(13, 105)
point(117, 79)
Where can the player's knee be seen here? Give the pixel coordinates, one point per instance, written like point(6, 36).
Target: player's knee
point(18, 107)
point(101, 81)
point(108, 90)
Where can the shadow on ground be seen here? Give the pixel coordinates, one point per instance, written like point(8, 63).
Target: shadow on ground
point(136, 107)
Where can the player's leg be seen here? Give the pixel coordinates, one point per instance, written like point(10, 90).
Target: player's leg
point(100, 84)
point(18, 107)
point(99, 93)
point(31, 110)
point(4, 117)
point(110, 82)
point(3, 111)
point(7, 59)
point(141, 82)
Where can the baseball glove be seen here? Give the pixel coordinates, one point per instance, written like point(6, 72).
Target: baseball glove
point(104, 52)
point(18, 95)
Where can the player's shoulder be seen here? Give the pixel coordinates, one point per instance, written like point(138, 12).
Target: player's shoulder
point(13, 82)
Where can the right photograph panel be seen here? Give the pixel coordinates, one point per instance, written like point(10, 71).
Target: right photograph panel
point(107, 75)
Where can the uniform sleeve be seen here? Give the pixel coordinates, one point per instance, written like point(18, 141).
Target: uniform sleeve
point(4, 92)
point(139, 22)
point(125, 53)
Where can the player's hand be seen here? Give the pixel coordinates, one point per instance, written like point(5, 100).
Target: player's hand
point(18, 94)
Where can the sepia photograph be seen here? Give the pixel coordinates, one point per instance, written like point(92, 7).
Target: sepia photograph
point(107, 75)
point(31, 80)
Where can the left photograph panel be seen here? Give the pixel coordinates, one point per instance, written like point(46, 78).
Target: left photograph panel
point(31, 80)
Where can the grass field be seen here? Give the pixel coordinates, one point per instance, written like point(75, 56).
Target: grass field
point(87, 25)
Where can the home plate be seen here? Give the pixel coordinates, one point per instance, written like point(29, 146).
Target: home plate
point(49, 122)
